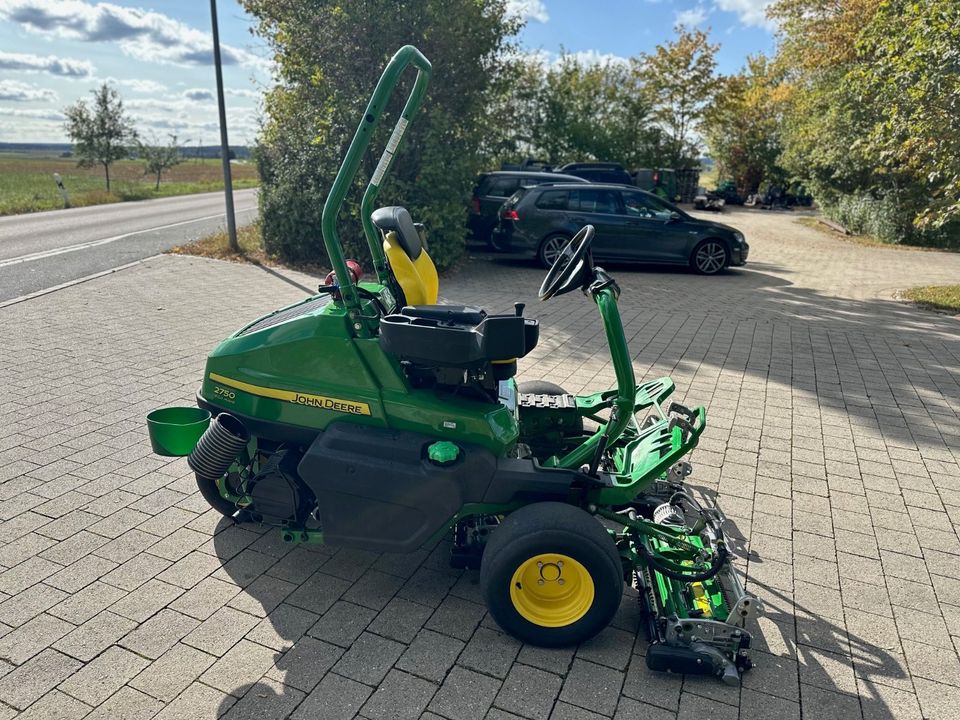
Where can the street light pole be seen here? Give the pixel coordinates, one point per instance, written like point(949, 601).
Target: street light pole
point(224, 144)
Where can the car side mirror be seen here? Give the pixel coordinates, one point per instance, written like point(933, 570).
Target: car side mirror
point(674, 217)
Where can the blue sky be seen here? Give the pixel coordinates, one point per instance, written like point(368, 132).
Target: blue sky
point(158, 54)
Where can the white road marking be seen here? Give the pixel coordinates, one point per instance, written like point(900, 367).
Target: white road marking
point(104, 241)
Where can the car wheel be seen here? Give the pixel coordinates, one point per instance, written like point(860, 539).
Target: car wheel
point(551, 575)
point(709, 257)
point(550, 249)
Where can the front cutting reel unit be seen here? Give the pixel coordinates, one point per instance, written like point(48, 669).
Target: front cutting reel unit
point(370, 416)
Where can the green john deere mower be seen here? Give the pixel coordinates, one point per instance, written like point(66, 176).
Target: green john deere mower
point(369, 416)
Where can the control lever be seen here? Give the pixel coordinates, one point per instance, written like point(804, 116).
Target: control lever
point(518, 308)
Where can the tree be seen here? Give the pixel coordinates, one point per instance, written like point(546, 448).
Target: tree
point(680, 79)
point(911, 69)
point(159, 158)
point(323, 88)
point(101, 134)
point(742, 126)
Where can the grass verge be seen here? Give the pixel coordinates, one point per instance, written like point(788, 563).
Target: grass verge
point(936, 297)
point(26, 182)
point(867, 240)
point(217, 246)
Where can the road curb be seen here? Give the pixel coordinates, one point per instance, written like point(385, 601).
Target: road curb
point(71, 283)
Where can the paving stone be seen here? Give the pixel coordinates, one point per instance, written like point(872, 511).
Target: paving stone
point(101, 678)
point(283, 627)
point(555, 660)
point(245, 568)
point(369, 658)
point(627, 709)
point(197, 702)
point(565, 711)
point(95, 635)
point(36, 677)
point(29, 603)
point(694, 707)
point(128, 704)
point(430, 655)
point(334, 698)
point(456, 617)
point(465, 695)
point(305, 664)
point(136, 571)
point(167, 676)
point(654, 688)
point(318, 593)
point(204, 599)
point(245, 660)
point(85, 604)
point(81, 573)
point(158, 634)
point(399, 697)
point(146, 600)
point(30, 571)
point(343, 623)
point(401, 619)
point(266, 700)
point(529, 692)
point(55, 705)
point(262, 595)
point(612, 647)
point(189, 570)
point(593, 687)
point(490, 652)
point(820, 703)
point(21, 644)
point(221, 631)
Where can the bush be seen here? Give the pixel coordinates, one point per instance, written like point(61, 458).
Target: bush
point(888, 218)
point(324, 86)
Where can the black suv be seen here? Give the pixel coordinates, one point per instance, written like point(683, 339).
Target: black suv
point(598, 172)
point(495, 187)
point(631, 224)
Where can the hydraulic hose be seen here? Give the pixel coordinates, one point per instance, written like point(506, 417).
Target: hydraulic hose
point(719, 559)
point(218, 447)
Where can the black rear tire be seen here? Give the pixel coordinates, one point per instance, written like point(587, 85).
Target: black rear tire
point(543, 530)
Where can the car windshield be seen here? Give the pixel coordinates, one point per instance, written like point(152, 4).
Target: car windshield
point(647, 206)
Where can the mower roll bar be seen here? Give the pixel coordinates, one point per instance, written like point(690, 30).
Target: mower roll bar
point(407, 55)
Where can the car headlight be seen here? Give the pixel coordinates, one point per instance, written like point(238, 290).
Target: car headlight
point(739, 238)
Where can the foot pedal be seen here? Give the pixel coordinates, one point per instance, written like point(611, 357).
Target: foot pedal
point(547, 402)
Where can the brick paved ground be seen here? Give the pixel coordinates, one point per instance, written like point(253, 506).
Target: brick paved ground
point(833, 445)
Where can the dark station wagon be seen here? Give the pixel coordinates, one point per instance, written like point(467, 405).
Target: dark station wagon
point(494, 188)
point(632, 225)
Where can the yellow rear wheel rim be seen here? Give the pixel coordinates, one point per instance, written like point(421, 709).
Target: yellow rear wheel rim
point(551, 590)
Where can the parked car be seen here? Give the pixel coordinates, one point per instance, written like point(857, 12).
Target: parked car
point(598, 172)
point(631, 225)
point(494, 188)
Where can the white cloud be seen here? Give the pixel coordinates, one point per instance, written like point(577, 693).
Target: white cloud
point(144, 34)
point(691, 17)
point(33, 114)
point(198, 94)
point(528, 10)
point(65, 67)
point(253, 94)
point(14, 91)
point(584, 57)
point(150, 87)
point(751, 12)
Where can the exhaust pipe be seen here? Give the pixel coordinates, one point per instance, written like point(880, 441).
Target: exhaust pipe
point(218, 447)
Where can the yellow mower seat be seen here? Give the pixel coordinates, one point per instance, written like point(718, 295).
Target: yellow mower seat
point(408, 258)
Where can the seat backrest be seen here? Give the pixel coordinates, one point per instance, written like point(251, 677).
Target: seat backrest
point(408, 258)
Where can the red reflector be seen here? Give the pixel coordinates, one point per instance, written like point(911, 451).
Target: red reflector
point(509, 215)
point(475, 206)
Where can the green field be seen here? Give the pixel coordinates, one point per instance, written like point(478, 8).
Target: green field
point(27, 185)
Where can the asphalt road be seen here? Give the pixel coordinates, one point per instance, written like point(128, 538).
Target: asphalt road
point(43, 250)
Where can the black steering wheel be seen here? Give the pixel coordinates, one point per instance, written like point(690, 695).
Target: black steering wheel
point(573, 267)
